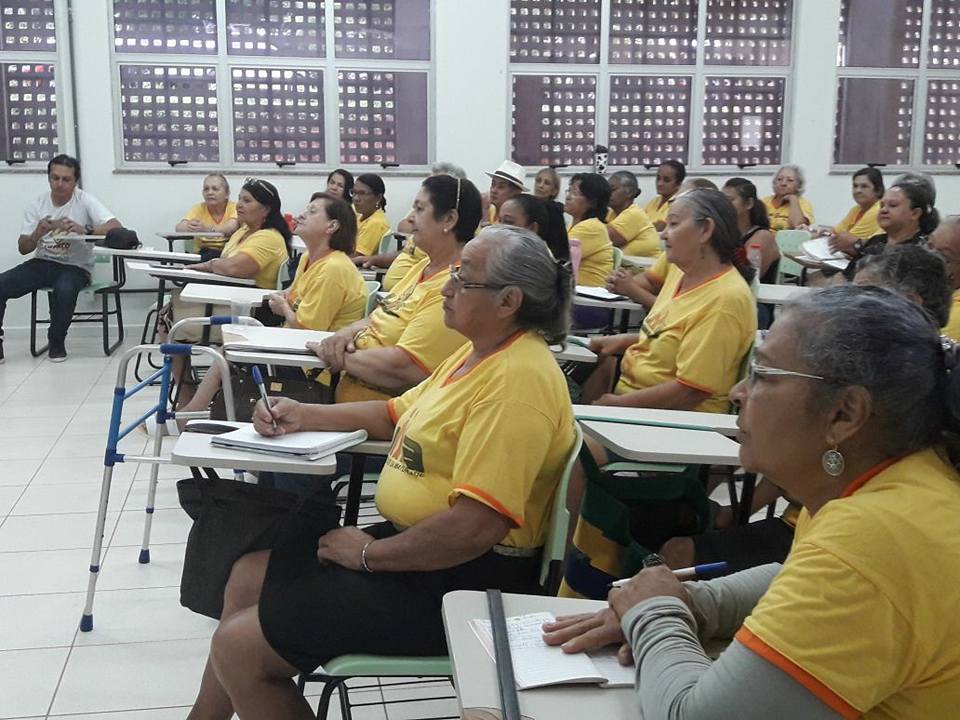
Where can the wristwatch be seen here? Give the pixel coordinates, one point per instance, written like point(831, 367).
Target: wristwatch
point(88, 229)
point(858, 247)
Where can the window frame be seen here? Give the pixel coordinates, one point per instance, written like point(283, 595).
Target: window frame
point(697, 72)
point(224, 62)
point(921, 75)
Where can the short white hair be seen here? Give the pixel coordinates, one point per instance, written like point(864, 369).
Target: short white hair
point(797, 170)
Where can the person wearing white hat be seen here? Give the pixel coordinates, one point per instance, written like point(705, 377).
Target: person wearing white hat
point(506, 182)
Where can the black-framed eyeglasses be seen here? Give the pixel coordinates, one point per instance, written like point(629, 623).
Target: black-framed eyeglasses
point(260, 184)
point(459, 283)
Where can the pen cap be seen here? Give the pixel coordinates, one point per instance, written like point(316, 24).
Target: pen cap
point(257, 377)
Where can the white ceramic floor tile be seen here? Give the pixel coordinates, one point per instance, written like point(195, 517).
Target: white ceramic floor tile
point(65, 470)
point(122, 571)
point(70, 497)
point(33, 409)
point(18, 472)
point(37, 621)
point(145, 615)
point(52, 532)
point(170, 713)
point(28, 679)
point(165, 498)
point(169, 526)
point(26, 448)
point(31, 427)
point(9, 494)
point(101, 678)
point(94, 445)
point(44, 571)
point(423, 709)
point(367, 712)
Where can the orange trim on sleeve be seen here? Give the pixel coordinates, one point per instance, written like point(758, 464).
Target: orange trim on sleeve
point(392, 411)
point(827, 696)
point(488, 499)
point(693, 385)
point(416, 361)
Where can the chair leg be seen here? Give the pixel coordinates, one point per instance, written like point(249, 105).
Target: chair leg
point(105, 320)
point(329, 686)
point(34, 350)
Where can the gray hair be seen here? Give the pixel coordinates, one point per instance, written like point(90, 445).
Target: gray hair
point(913, 270)
point(628, 181)
point(446, 168)
point(798, 171)
point(222, 177)
point(871, 337)
point(520, 258)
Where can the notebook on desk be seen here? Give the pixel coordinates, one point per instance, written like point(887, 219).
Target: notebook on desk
point(272, 340)
point(305, 445)
point(598, 293)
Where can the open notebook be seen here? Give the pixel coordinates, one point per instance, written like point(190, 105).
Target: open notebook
point(306, 445)
point(598, 293)
point(819, 249)
point(536, 664)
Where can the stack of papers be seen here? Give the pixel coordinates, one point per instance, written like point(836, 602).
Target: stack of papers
point(304, 445)
point(819, 249)
point(598, 293)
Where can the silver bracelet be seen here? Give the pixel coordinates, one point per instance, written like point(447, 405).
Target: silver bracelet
point(363, 557)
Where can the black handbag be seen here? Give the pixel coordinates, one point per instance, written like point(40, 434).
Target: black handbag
point(233, 518)
point(246, 393)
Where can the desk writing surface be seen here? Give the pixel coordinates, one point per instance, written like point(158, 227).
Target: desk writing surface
point(666, 445)
point(475, 674)
point(186, 274)
point(574, 352)
point(779, 294)
point(638, 261)
point(257, 357)
point(147, 253)
point(224, 294)
point(718, 422)
point(270, 339)
point(195, 450)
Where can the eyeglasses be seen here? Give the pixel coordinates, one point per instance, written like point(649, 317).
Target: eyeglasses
point(756, 370)
point(260, 184)
point(459, 284)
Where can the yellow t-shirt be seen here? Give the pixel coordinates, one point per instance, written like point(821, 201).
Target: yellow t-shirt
point(658, 208)
point(635, 227)
point(499, 434)
point(370, 232)
point(952, 328)
point(780, 214)
point(864, 612)
point(659, 269)
point(408, 256)
point(859, 223)
point(596, 252)
point(201, 212)
point(266, 247)
point(327, 294)
point(410, 318)
point(698, 337)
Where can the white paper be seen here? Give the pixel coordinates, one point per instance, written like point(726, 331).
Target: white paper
point(316, 444)
point(819, 247)
point(598, 293)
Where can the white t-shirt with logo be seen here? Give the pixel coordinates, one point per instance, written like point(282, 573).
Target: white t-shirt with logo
point(84, 209)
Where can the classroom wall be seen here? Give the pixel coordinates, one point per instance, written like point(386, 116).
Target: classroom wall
point(471, 107)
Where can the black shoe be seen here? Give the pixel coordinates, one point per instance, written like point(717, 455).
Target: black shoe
point(57, 353)
point(1, 352)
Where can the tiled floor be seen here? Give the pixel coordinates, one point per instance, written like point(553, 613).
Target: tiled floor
point(144, 657)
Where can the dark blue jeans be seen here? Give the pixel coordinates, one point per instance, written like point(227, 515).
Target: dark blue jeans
point(66, 281)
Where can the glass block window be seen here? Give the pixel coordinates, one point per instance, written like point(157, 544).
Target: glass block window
point(655, 32)
point(165, 26)
point(649, 119)
point(27, 25)
point(555, 31)
point(554, 119)
point(880, 33)
point(748, 33)
point(277, 115)
point(287, 28)
point(742, 120)
point(169, 112)
point(29, 129)
point(375, 29)
point(941, 140)
point(383, 117)
point(944, 35)
point(874, 121)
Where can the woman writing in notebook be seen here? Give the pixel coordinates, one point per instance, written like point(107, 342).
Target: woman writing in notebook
point(846, 409)
point(461, 512)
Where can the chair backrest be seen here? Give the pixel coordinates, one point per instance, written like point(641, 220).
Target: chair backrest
point(555, 547)
point(387, 243)
point(372, 287)
point(617, 258)
point(789, 241)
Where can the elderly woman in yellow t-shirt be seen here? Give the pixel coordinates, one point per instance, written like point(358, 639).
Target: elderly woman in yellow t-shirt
point(861, 223)
point(588, 195)
point(217, 213)
point(405, 339)
point(787, 208)
point(369, 200)
point(628, 226)
point(847, 407)
point(460, 511)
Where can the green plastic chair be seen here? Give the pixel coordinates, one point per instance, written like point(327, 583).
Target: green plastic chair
point(388, 243)
point(789, 241)
point(373, 287)
point(340, 669)
point(617, 258)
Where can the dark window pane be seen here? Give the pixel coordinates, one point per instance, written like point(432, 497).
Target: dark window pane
point(649, 119)
point(945, 34)
point(30, 112)
point(742, 120)
point(748, 33)
point(27, 25)
point(375, 29)
point(169, 112)
point(277, 115)
point(941, 143)
point(555, 31)
point(654, 32)
point(383, 117)
point(873, 121)
point(554, 119)
point(165, 26)
point(288, 28)
point(880, 33)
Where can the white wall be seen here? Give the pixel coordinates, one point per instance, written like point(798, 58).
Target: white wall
point(471, 107)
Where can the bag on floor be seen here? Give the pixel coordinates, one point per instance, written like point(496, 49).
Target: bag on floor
point(233, 518)
point(246, 393)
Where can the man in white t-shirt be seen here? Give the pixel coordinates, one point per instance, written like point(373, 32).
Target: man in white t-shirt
point(63, 265)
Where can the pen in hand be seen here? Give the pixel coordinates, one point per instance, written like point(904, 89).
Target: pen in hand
point(258, 379)
point(687, 573)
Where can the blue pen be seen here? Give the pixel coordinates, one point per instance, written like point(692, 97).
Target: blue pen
point(258, 379)
point(704, 570)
